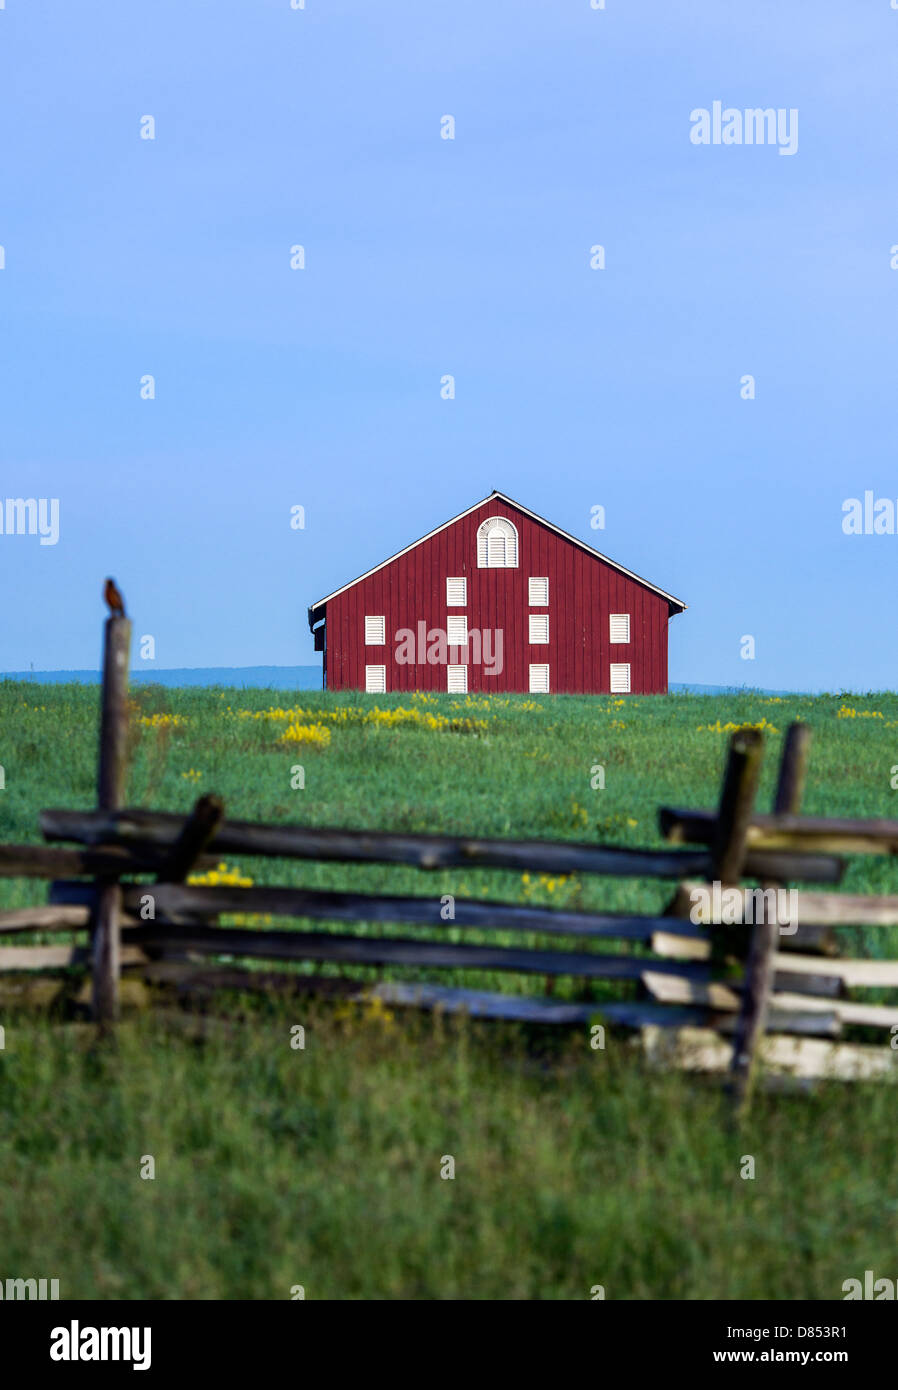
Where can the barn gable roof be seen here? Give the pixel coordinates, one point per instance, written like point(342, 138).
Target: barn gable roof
point(676, 605)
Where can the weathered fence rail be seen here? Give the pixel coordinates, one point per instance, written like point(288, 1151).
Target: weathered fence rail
point(723, 997)
point(794, 833)
point(158, 830)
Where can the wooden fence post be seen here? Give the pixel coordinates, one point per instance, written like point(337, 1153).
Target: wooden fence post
point(759, 971)
point(199, 829)
point(201, 826)
point(734, 812)
point(105, 942)
point(737, 801)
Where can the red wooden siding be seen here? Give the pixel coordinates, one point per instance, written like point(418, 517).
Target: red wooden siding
point(583, 592)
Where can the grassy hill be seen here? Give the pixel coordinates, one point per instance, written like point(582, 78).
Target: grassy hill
point(320, 1167)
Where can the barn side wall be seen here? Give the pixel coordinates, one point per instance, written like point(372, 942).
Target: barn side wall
point(583, 592)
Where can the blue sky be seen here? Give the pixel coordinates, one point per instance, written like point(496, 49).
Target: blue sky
point(424, 256)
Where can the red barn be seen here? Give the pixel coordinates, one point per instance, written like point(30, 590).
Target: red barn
point(497, 599)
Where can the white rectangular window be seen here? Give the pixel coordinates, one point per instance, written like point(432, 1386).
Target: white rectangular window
point(539, 627)
point(539, 680)
point(456, 593)
point(457, 679)
point(457, 630)
point(375, 635)
point(620, 677)
point(620, 627)
point(376, 679)
point(539, 593)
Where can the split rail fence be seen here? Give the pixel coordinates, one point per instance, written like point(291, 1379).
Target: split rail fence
point(705, 996)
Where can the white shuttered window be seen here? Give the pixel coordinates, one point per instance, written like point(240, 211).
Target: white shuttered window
point(539, 592)
point(620, 677)
point(539, 627)
point(456, 593)
point(539, 680)
point(375, 635)
point(457, 630)
point(376, 679)
point(620, 627)
point(457, 679)
point(497, 544)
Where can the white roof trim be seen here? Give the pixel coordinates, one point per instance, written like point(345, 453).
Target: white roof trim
point(502, 497)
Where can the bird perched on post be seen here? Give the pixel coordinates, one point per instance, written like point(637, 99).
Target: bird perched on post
point(114, 599)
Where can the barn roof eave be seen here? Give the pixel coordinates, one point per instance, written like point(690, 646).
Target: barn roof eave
point(675, 605)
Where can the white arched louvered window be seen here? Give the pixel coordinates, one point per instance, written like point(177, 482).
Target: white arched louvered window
point(497, 544)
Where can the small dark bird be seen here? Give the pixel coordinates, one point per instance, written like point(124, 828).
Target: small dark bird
point(114, 599)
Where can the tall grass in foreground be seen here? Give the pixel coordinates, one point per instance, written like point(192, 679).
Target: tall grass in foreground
point(321, 1167)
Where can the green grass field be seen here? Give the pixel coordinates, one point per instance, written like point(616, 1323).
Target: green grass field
point(277, 1167)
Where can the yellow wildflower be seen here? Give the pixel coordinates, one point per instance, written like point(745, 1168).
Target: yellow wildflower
point(306, 733)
